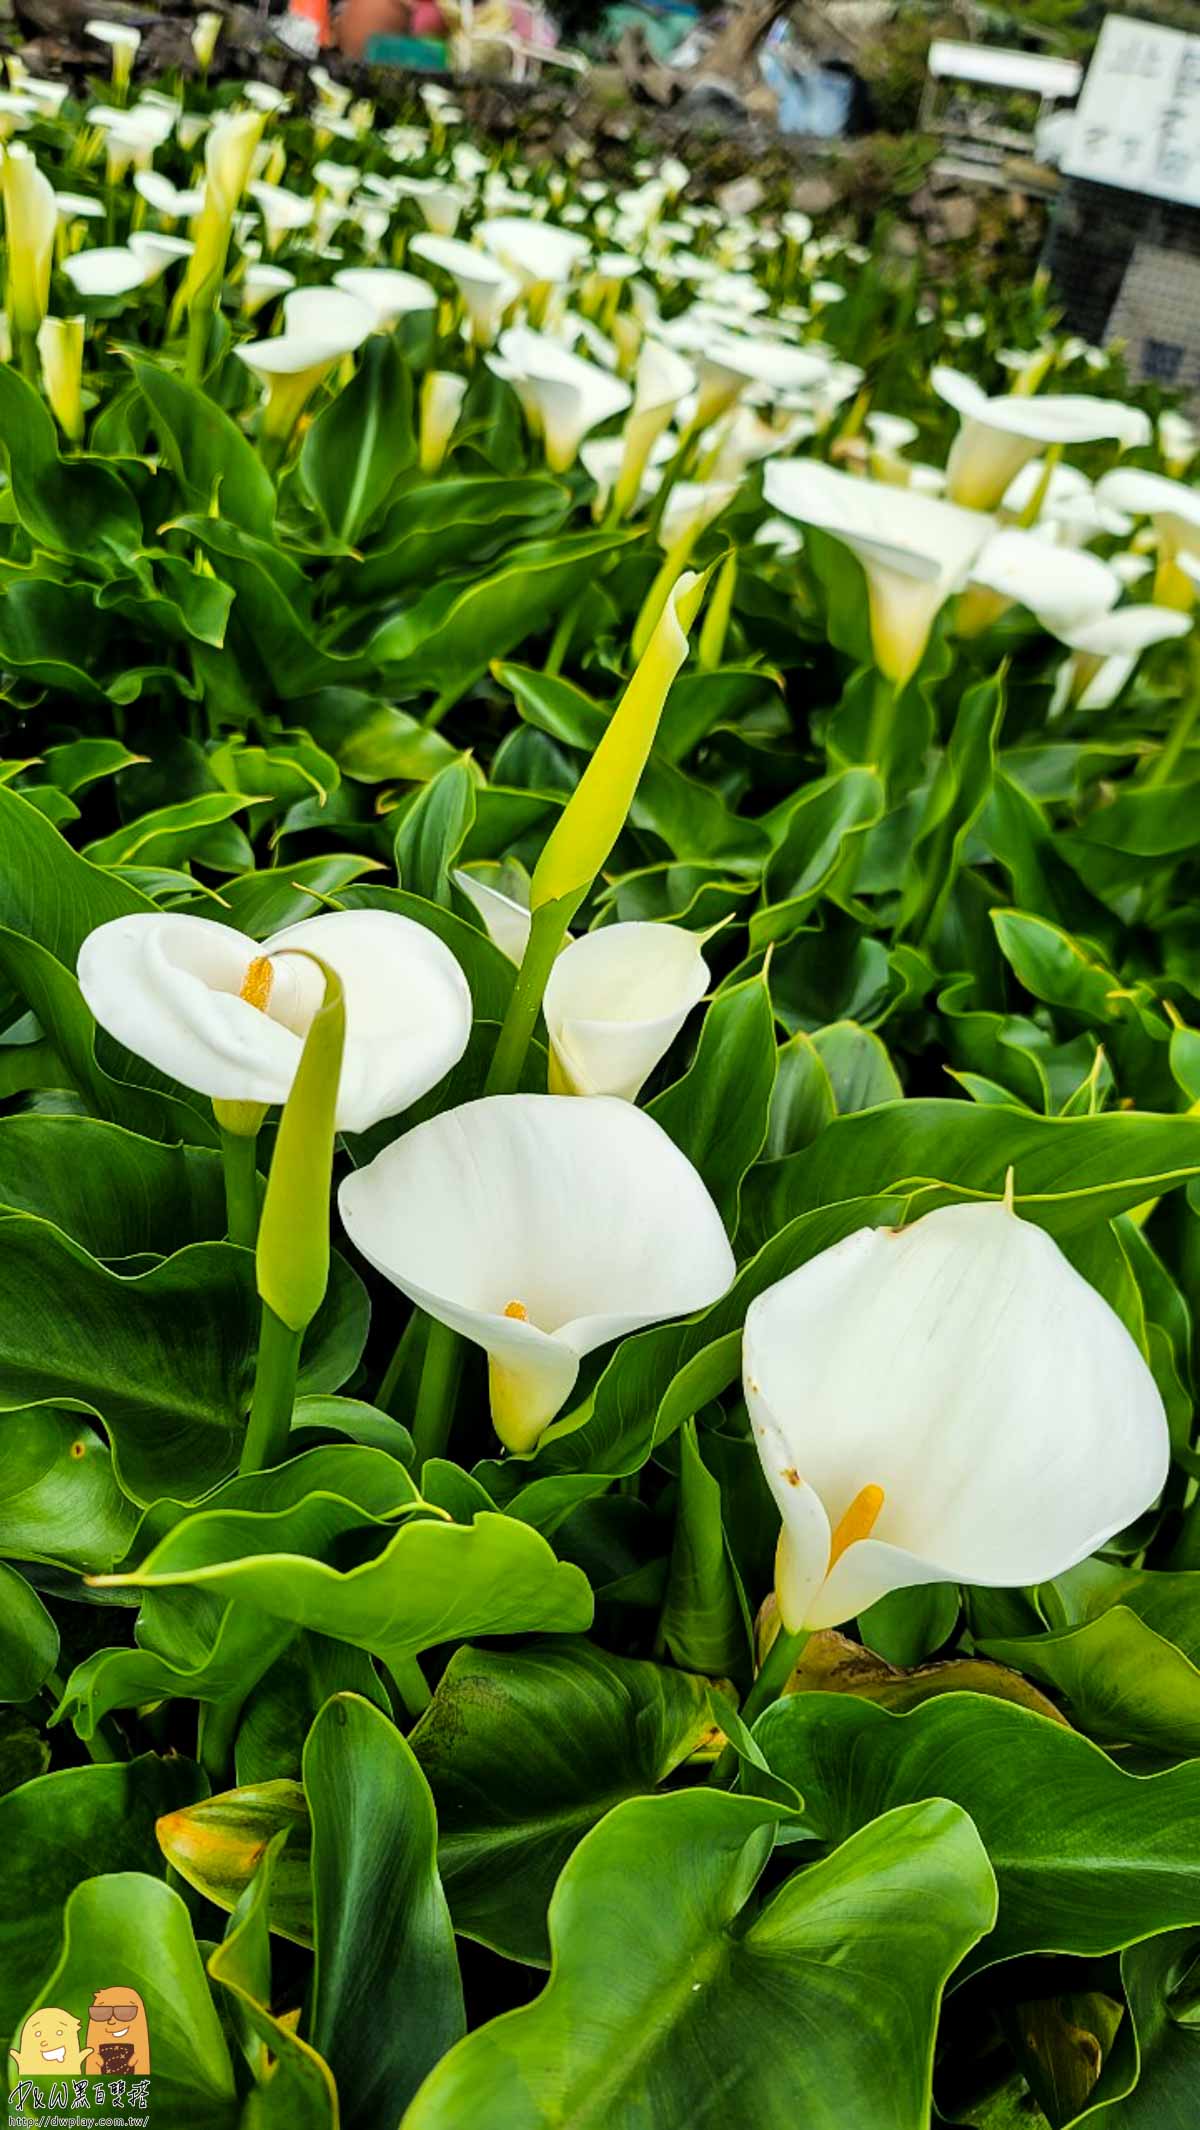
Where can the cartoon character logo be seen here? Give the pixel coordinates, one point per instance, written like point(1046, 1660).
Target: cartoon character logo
point(118, 2038)
point(49, 2043)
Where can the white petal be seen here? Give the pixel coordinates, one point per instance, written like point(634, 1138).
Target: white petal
point(583, 1212)
point(963, 1366)
point(615, 1001)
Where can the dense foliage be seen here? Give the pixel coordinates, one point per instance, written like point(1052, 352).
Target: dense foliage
point(331, 1732)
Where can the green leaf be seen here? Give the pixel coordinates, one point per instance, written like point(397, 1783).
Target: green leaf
point(59, 1500)
point(432, 1582)
point(116, 1194)
point(802, 1101)
point(818, 840)
point(386, 1997)
point(76, 506)
point(453, 630)
point(670, 2002)
point(62, 1830)
point(525, 1751)
point(703, 1620)
point(1105, 1859)
point(956, 798)
point(1069, 1171)
point(436, 527)
point(362, 442)
point(717, 1114)
point(296, 2089)
point(859, 1070)
point(28, 1638)
point(432, 831)
point(212, 462)
point(138, 1931)
point(164, 1358)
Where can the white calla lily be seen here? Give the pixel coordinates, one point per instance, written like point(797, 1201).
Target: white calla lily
point(997, 436)
point(506, 915)
point(122, 41)
point(614, 1003)
point(441, 204)
point(77, 207)
point(535, 252)
point(386, 291)
point(540, 1229)
point(320, 325)
point(661, 381)
point(1062, 586)
point(1107, 649)
point(442, 395)
point(157, 250)
point(1173, 509)
point(948, 1402)
point(486, 288)
point(283, 212)
point(205, 31)
point(916, 550)
point(228, 1017)
point(108, 271)
point(562, 396)
point(30, 220)
point(261, 283)
point(60, 345)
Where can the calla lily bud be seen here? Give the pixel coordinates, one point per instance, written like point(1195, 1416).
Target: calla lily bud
point(30, 220)
point(614, 1003)
point(944, 1403)
point(60, 345)
point(292, 1260)
point(205, 33)
point(541, 1230)
point(595, 813)
point(442, 395)
point(227, 1016)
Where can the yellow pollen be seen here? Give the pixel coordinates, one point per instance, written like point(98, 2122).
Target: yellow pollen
point(517, 1310)
point(858, 1522)
point(256, 984)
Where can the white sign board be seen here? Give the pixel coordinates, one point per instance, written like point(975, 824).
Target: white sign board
point(1138, 120)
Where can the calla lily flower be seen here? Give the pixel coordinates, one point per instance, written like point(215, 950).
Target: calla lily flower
point(506, 916)
point(205, 32)
point(30, 220)
point(540, 1229)
point(261, 283)
point(1174, 511)
point(340, 180)
point(320, 325)
point(562, 396)
point(1178, 440)
point(283, 212)
point(535, 252)
point(387, 292)
point(615, 1000)
point(442, 395)
point(157, 250)
point(228, 1017)
point(997, 436)
point(486, 288)
point(1108, 647)
point(77, 207)
point(944, 1403)
point(60, 345)
point(441, 204)
point(122, 41)
point(1063, 587)
point(916, 550)
point(108, 271)
point(661, 381)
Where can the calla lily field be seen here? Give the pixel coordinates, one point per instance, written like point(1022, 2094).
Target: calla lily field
point(599, 1143)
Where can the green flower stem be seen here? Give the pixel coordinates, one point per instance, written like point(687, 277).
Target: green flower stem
point(411, 1684)
point(440, 1371)
point(105, 1744)
point(274, 1394)
point(28, 361)
point(238, 1152)
point(546, 935)
point(773, 1675)
point(879, 730)
point(198, 332)
point(1181, 731)
point(561, 640)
